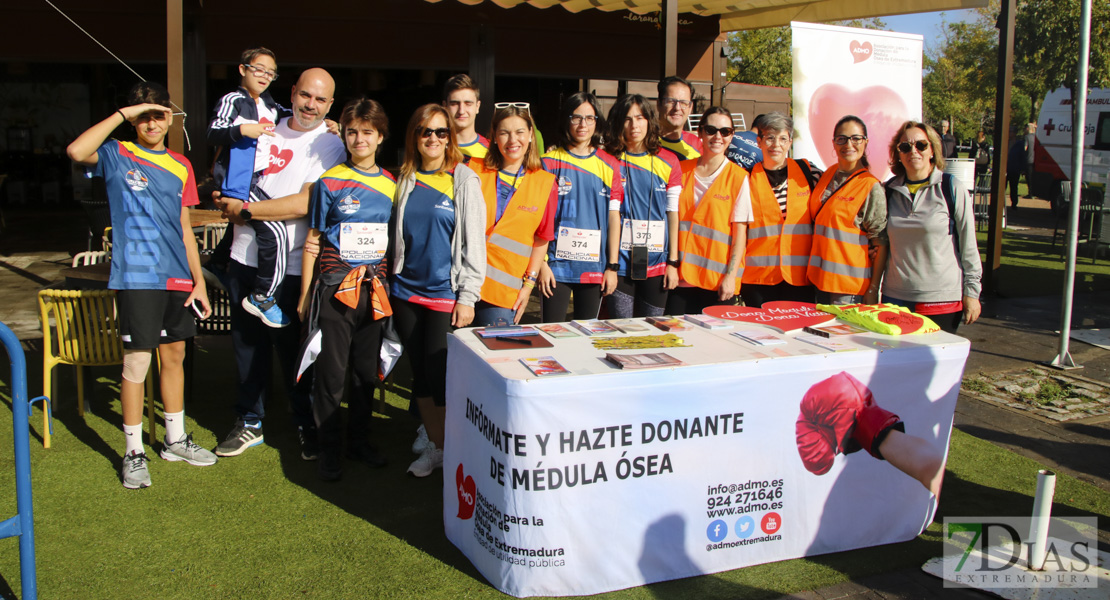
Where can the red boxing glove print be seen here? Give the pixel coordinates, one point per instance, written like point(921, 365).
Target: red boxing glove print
point(839, 416)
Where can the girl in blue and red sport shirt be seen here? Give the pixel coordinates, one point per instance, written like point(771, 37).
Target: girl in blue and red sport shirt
point(439, 261)
point(648, 215)
point(155, 267)
point(588, 180)
point(349, 216)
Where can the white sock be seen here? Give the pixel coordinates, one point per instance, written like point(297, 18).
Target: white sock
point(175, 427)
point(134, 436)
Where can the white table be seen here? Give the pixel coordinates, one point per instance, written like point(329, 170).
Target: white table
point(616, 498)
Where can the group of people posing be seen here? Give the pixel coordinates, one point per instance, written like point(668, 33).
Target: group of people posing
point(625, 208)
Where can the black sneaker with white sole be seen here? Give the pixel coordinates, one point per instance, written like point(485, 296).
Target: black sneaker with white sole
point(239, 439)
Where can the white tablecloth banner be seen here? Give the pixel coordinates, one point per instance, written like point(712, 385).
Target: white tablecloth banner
point(585, 484)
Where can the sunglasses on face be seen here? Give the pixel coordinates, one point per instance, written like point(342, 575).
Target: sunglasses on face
point(710, 131)
point(440, 133)
point(921, 146)
point(856, 140)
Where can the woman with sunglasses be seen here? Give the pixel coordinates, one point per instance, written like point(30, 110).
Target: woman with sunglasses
point(588, 180)
point(714, 210)
point(520, 202)
point(781, 232)
point(848, 209)
point(934, 266)
point(439, 257)
point(643, 259)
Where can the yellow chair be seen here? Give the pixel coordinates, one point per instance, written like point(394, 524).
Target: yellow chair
point(81, 328)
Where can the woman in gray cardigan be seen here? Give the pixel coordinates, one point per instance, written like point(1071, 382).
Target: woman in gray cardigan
point(934, 266)
point(439, 261)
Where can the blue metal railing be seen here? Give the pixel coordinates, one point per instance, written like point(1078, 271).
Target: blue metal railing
point(23, 523)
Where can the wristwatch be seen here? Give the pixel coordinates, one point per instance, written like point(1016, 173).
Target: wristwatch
point(673, 263)
point(613, 267)
point(245, 213)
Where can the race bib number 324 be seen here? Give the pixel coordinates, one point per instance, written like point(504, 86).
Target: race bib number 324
point(359, 242)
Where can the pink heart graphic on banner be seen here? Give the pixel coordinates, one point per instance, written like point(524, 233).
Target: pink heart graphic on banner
point(881, 109)
point(783, 315)
point(467, 491)
point(860, 52)
point(278, 160)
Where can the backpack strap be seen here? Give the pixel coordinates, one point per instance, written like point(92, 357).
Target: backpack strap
point(948, 187)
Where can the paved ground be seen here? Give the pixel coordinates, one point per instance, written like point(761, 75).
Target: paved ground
point(1014, 334)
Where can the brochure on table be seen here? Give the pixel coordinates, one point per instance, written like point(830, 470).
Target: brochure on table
point(604, 479)
point(705, 346)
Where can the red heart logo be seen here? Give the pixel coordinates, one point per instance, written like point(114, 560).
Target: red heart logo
point(467, 492)
point(907, 322)
point(860, 52)
point(278, 160)
point(880, 107)
point(783, 315)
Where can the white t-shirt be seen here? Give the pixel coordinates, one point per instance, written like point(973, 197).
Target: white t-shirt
point(296, 158)
point(741, 209)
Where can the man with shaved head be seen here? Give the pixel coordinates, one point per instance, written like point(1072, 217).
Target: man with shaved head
point(302, 149)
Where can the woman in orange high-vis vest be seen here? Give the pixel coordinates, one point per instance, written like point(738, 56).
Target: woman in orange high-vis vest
point(520, 215)
point(714, 210)
point(848, 208)
point(781, 232)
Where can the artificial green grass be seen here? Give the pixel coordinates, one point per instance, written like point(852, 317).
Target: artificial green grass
point(262, 526)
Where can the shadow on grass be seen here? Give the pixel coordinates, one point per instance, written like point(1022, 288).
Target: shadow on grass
point(1089, 458)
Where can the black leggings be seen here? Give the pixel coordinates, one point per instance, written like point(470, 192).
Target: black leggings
point(423, 332)
point(587, 301)
point(692, 300)
point(755, 295)
point(637, 298)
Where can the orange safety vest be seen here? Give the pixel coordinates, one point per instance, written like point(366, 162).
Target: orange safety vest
point(838, 261)
point(509, 241)
point(778, 249)
point(705, 230)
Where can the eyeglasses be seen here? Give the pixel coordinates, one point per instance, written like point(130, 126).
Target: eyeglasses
point(579, 119)
point(526, 106)
point(262, 72)
point(781, 140)
point(674, 102)
point(710, 131)
point(440, 133)
point(921, 146)
point(856, 140)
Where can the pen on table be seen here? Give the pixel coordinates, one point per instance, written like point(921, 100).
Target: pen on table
point(513, 339)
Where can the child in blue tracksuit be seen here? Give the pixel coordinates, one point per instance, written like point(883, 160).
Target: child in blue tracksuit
point(242, 123)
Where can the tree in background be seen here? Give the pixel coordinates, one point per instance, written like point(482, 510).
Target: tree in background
point(1046, 47)
point(960, 74)
point(762, 56)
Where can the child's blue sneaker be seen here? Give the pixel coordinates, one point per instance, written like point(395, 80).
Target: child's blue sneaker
point(266, 308)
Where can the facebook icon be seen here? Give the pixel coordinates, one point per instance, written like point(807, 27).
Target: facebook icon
point(717, 531)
